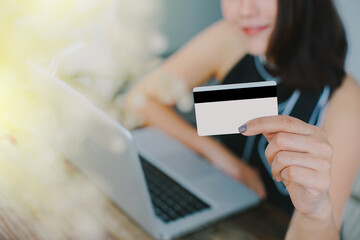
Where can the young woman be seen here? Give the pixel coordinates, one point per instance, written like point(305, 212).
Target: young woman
point(304, 160)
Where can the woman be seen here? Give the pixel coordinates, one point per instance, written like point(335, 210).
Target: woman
point(312, 156)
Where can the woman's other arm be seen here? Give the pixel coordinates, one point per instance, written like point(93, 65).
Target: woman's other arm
point(210, 54)
point(191, 66)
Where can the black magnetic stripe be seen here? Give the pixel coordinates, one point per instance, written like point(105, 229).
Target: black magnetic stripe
point(234, 94)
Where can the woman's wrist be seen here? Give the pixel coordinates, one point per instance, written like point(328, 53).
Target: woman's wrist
point(323, 211)
point(319, 224)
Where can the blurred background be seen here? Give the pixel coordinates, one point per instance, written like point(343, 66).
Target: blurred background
point(101, 48)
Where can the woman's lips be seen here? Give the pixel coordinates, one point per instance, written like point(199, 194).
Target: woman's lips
point(250, 31)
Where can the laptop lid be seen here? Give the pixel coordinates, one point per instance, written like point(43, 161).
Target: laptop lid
point(101, 148)
point(105, 151)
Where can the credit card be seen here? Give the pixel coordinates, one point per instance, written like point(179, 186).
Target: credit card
point(222, 109)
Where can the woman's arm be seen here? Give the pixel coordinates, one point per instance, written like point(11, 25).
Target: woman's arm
point(342, 125)
point(191, 66)
point(210, 54)
point(317, 165)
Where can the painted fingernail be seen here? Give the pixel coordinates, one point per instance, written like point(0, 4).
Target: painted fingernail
point(243, 128)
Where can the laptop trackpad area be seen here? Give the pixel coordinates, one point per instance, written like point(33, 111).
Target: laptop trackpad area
point(171, 155)
point(187, 165)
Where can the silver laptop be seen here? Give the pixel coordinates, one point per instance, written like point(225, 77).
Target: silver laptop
point(165, 187)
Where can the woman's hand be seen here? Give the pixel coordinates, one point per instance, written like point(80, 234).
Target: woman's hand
point(300, 156)
point(240, 171)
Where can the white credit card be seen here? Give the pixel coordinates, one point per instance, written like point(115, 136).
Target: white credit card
point(222, 109)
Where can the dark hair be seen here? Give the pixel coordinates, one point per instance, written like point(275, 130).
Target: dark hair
point(308, 45)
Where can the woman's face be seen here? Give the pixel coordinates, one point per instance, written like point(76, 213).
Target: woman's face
point(254, 20)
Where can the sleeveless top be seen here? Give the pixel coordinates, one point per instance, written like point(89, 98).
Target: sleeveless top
point(308, 106)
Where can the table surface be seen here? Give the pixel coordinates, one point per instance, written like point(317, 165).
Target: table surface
point(21, 220)
point(260, 222)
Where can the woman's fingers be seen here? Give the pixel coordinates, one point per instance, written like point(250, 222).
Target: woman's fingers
point(259, 188)
point(309, 179)
point(279, 123)
point(299, 154)
point(253, 180)
point(297, 143)
point(285, 159)
point(290, 134)
point(242, 172)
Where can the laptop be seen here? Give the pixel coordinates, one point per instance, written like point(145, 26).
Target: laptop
point(164, 186)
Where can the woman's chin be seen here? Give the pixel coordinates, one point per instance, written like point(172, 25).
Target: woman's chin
point(257, 50)
point(257, 45)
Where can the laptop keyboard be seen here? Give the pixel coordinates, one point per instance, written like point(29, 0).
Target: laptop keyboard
point(171, 201)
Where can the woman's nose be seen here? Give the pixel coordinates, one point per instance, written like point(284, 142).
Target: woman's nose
point(247, 8)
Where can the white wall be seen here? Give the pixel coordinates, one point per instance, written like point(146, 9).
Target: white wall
point(350, 13)
point(185, 18)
